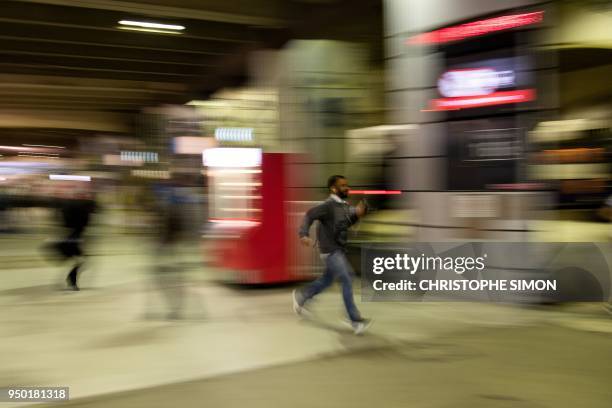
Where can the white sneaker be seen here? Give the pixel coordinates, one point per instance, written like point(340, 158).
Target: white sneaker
point(360, 326)
point(296, 305)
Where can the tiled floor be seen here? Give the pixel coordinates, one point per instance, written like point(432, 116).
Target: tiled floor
point(99, 342)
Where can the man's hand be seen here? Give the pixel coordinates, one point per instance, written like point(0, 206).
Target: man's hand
point(306, 241)
point(361, 209)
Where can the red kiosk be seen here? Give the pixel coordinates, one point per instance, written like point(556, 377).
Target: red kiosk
point(259, 245)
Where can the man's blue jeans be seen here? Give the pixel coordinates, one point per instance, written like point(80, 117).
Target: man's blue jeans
point(336, 267)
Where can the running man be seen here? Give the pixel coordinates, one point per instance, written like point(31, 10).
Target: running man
point(335, 216)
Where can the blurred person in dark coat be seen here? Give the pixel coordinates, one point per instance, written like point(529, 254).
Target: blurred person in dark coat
point(76, 209)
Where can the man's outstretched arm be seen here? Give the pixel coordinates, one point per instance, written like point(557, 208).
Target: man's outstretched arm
point(357, 212)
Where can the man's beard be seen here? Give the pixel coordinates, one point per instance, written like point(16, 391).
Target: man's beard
point(343, 194)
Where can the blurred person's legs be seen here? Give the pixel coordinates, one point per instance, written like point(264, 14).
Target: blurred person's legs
point(300, 297)
point(72, 250)
point(171, 282)
point(168, 279)
point(63, 250)
point(72, 278)
point(336, 267)
point(337, 262)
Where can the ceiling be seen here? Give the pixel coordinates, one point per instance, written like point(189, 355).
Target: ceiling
point(70, 55)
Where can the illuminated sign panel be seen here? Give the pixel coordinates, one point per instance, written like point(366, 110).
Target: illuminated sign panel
point(148, 157)
point(474, 81)
point(192, 144)
point(476, 28)
point(232, 157)
point(484, 82)
point(234, 134)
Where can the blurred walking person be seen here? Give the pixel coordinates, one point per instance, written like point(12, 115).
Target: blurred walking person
point(605, 212)
point(75, 214)
point(174, 224)
point(335, 217)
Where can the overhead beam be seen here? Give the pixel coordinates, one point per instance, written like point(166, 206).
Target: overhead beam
point(85, 105)
point(115, 38)
point(56, 55)
point(76, 17)
point(86, 64)
point(106, 53)
point(113, 28)
point(105, 70)
point(88, 84)
point(54, 94)
point(12, 97)
point(166, 11)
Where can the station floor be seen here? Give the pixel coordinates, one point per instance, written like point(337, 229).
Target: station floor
point(112, 344)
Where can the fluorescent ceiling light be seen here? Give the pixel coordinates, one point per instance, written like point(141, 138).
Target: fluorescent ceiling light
point(36, 145)
point(39, 156)
point(144, 24)
point(68, 177)
point(149, 30)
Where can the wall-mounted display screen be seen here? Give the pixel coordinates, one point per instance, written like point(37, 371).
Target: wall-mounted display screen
point(480, 82)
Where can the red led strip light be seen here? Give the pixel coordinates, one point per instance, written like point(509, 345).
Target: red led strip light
point(495, 98)
point(375, 192)
point(476, 28)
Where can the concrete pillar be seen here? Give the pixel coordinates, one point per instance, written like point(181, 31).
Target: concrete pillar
point(422, 163)
point(325, 89)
